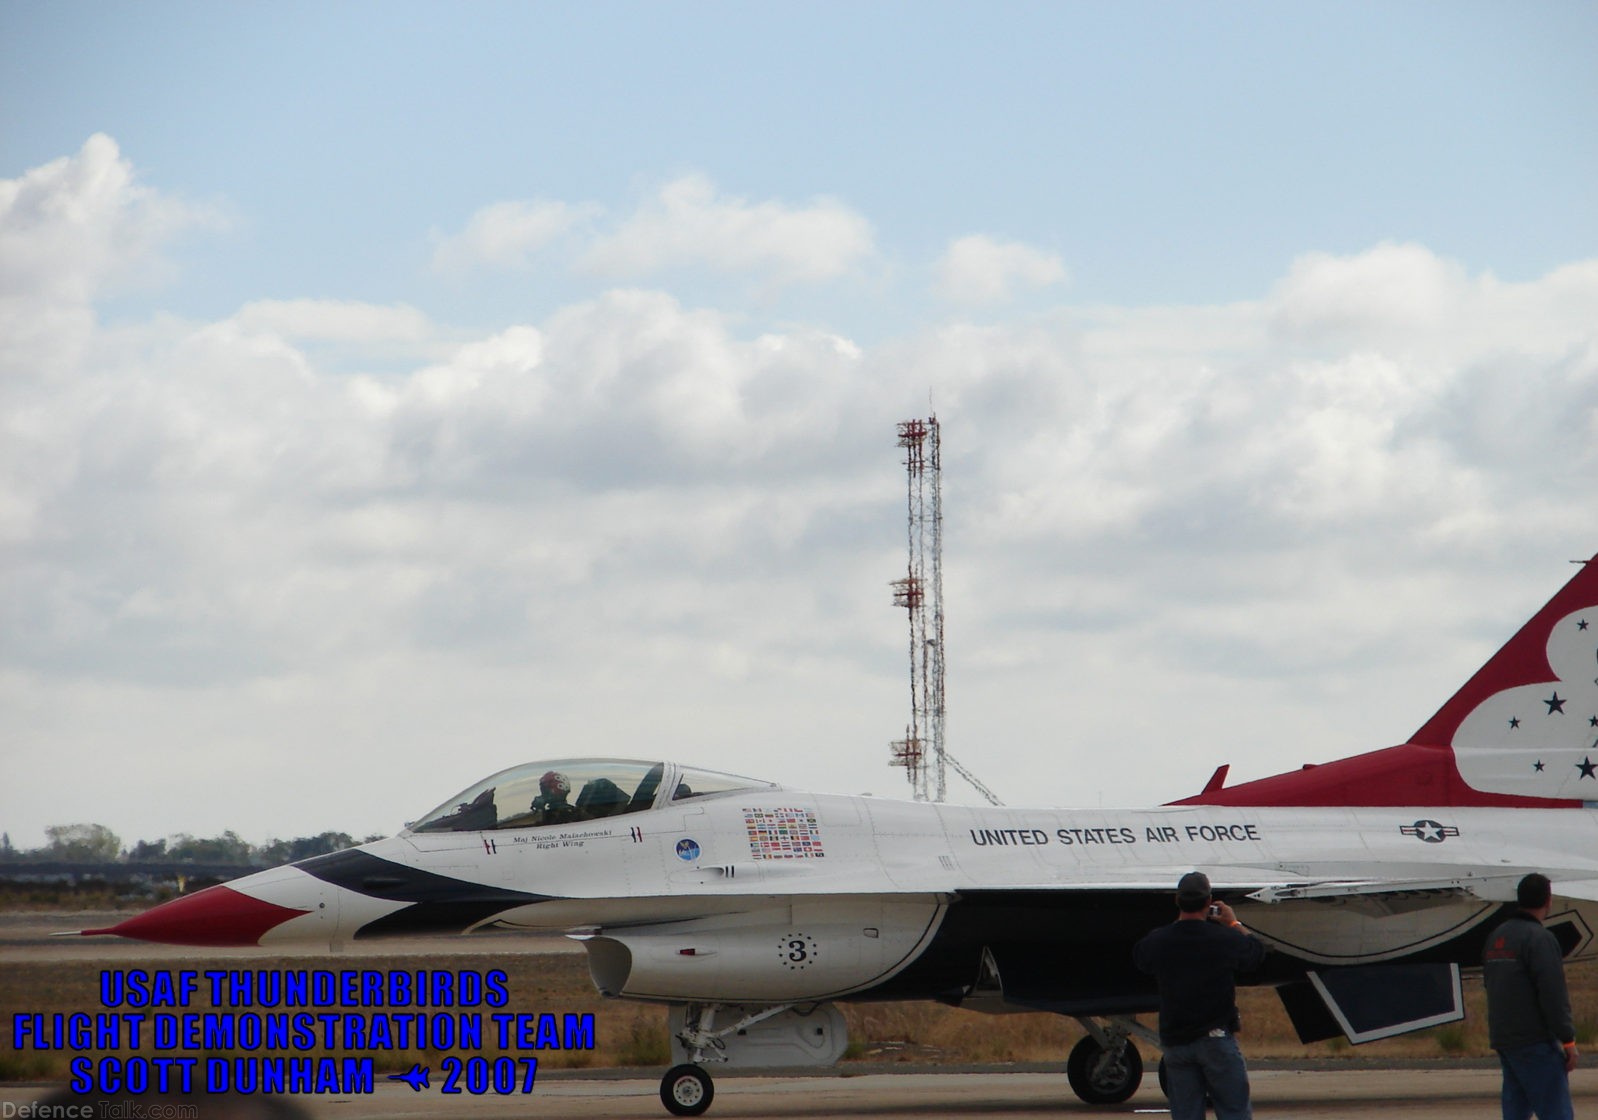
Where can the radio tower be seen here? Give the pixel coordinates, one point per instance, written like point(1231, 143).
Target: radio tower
point(921, 752)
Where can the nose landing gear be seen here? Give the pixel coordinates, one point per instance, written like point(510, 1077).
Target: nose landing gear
point(686, 1090)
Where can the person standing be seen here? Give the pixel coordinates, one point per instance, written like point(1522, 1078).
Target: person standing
point(1195, 961)
point(1528, 1008)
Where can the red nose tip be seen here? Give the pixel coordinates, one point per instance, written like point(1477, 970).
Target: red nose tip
point(214, 916)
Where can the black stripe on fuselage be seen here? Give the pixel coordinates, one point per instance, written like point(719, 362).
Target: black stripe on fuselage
point(439, 903)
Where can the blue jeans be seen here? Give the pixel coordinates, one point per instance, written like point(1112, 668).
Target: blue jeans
point(1210, 1066)
point(1535, 1081)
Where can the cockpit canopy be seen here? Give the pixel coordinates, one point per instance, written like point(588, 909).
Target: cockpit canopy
point(572, 790)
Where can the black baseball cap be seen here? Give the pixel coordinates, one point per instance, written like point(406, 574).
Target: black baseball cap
point(1193, 888)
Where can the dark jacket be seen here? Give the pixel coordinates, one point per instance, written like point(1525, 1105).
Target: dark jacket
point(1195, 964)
point(1524, 972)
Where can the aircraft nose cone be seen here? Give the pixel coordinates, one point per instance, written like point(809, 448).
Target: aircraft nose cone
point(214, 916)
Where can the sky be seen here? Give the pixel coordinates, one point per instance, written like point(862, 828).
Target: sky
point(394, 393)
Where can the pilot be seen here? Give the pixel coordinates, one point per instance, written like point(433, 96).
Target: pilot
point(551, 803)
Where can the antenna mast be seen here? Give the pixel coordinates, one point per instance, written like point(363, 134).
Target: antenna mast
point(921, 752)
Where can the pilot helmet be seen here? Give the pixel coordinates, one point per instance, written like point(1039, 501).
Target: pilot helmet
point(554, 781)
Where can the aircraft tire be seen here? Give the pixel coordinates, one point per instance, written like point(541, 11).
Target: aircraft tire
point(1112, 1085)
point(686, 1090)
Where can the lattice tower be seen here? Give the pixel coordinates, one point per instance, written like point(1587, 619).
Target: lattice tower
point(920, 592)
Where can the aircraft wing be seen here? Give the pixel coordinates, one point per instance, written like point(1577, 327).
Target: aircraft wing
point(1585, 889)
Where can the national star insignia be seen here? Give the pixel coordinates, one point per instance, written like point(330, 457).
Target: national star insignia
point(1432, 832)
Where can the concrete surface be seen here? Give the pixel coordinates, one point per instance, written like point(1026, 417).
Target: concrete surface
point(1446, 1093)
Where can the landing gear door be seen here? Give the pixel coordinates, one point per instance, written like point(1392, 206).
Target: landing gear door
point(1380, 1001)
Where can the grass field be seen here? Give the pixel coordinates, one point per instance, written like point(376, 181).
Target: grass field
point(631, 1034)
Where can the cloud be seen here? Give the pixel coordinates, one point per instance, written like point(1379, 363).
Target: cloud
point(74, 226)
point(508, 235)
point(1406, 300)
point(980, 270)
point(628, 389)
point(636, 521)
point(688, 224)
point(626, 445)
point(335, 320)
point(1389, 287)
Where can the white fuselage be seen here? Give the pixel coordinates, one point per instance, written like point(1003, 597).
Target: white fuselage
point(740, 852)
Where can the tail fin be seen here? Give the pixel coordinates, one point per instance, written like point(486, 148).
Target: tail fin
point(1523, 731)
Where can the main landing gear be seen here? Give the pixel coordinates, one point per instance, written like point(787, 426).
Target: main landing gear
point(1105, 1068)
point(687, 1090)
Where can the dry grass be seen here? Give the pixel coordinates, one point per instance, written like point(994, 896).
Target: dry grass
point(81, 896)
point(629, 1034)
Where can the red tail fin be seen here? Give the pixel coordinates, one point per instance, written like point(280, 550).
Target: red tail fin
point(1523, 731)
point(1527, 658)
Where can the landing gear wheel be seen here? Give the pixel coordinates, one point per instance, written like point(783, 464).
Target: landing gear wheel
point(1101, 1077)
point(686, 1090)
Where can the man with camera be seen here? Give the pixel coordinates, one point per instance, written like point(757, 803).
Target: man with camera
point(1195, 960)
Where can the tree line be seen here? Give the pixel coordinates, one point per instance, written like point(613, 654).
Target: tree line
point(95, 843)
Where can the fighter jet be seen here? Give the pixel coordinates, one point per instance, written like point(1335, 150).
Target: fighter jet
point(752, 909)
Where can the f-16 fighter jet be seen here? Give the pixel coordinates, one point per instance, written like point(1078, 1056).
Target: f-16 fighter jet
point(752, 909)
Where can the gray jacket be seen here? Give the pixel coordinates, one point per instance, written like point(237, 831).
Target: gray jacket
point(1524, 971)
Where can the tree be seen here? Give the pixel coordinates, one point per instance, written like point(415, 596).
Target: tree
point(83, 843)
point(304, 847)
point(229, 847)
point(147, 851)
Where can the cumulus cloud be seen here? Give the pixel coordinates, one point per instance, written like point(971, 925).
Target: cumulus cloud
point(630, 389)
point(634, 521)
point(1403, 299)
point(981, 270)
point(689, 224)
point(508, 235)
point(82, 222)
point(336, 320)
point(1404, 287)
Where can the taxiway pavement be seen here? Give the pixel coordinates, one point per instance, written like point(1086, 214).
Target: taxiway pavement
point(1436, 1093)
